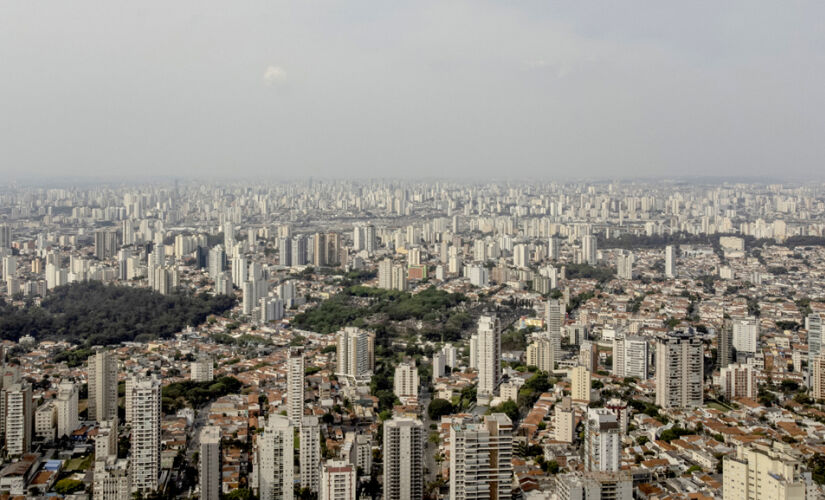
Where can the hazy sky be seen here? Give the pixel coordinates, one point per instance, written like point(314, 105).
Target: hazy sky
point(423, 88)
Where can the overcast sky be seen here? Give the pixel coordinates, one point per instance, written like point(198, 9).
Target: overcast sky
point(441, 88)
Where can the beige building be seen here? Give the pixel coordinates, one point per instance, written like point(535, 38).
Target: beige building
point(580, 384)
point(763, 472)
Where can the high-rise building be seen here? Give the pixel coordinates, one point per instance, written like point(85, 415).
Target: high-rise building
point(355, 352)
point(385, 274)
point(66, 409)
point(285, 252)
point(589, 249)
point(564, 422)
point(746, 335)
point(589, 355)
point(106, 243)
point(489, 355)
point(319, 253)
point(295, 382)
point(580, 384)
point(670, 261)
point(817, 364)
point(406, 381)
point(679, 370)
point(521, 256)
point(338, 480)
point(217, 262)
point(403, 459)
point(724, 345)
point(619, 408)
point(210, 463)
point(630, 356)
point(202, 370)
point(481, 458)
point(624, 265)
point(554, 248)
point(299, 251)
point(555, 313)
point(146, 433)
point(591, 485)
point(541, 354)
point(602, 446)
point(813, 323)
point(111, 479)
point(761, 472)
point(18, 416)
point(739, 381)
point(102, 380)
point(275, 459)
point(310, 454)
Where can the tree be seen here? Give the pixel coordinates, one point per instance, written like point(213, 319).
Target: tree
point(438, 408)
point(67, 486)
point(509, 408)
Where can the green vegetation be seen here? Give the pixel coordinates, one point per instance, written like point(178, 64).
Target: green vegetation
point(438, 408)
point(67, 486)
point(96, 314)
point(586, 271)
point(343, 309)
point(816, 464)
point(532, 389)
point(674, 432)
point(241, 494)
point(178, 394)
point(509, 408)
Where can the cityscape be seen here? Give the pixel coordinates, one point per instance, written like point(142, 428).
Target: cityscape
point(412, 250)
point(400, 340)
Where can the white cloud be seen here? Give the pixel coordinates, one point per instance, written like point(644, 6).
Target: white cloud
point(274, 75)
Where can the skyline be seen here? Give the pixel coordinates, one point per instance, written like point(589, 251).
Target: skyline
point(271, 90)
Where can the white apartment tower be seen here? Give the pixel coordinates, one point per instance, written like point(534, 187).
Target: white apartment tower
point(102, 380)
point(746, 335)
point(670, 261)
point(601, 441)
point(66, 407)
point(406, 381)
point(337, 481)
point(275, 460)
point(679, 370)
point(481, 458)
point(295, 382)
point(541, 354)
point(18, 418)
point(310, 454)
point(630, 356)
point(403, 459)
point(146, 430)
point(489, 355)
point(355, 352)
